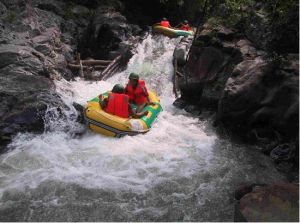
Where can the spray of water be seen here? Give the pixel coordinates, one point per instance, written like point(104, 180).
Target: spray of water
point(97, 161)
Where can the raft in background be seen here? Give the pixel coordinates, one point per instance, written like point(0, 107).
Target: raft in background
point(171, 32)
point(111, 125)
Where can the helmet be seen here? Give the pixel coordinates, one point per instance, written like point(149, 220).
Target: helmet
point(164, 18)
point(185, 22)
point(133, 76)
point(118, 88)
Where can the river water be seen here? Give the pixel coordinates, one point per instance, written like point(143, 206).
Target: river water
point(179, 171)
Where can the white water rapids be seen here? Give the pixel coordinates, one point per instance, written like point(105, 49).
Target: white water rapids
point(178, 171)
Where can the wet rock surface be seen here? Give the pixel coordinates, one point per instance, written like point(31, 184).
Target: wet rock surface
point(28, 52)
point(276, 202)
point(254, 97)
point(208, 67)
point(37, 41)
point(106, 34)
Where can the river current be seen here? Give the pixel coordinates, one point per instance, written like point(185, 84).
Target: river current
point(179, 171)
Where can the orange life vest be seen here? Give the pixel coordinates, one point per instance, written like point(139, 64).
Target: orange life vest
point(165, 23)
point(185, 27)
point(118, 105)
point(139, 94)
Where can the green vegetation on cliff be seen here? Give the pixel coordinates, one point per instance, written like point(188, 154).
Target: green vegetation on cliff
point(280, 31)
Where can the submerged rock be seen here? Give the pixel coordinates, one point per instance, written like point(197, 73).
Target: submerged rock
point(282, 152)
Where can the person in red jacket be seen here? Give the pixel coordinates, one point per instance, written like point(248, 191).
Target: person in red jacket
point(137, 92)
point(117, 103)
point(165, 23)
point(185, 26)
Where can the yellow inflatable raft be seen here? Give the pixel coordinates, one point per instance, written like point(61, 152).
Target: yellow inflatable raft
point(171, 32)
point(110, 125)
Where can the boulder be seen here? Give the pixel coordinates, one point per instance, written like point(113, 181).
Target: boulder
point(21, 56)
point(106, 34)
point(31, 51)
point(274, 203)
point(254, 97)
point(25, 99)
point(3, 10)
point(225, 33)
point(247, 49)
point(182, 49)
point(54, 6)
point(262, 97)
point(257, 28)
point(283, 152)
point(207, 71)
point(205, 63)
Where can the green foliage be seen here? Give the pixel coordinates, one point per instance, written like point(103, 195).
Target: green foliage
point(70, 14)
point(92, 13)
point(69, 11)
point(199, 43)
point(236, 7)
point(284, 31)
point(280, 17)
point(11, 16)
point(214, 21)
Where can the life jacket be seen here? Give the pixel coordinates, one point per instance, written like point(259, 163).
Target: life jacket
point(137, 95)
point(165, 23)
point(185, 27)
point(118, 105)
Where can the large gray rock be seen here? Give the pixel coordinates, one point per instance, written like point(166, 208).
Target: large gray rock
point(20, 56)
point(257, 28)
point(182, 49)
point(262, 98)
point(209, 65)
point(253, 97)
point(30, 51)
point(25, 98)
point(54, 6)
point(106, 32)
point(3, 10)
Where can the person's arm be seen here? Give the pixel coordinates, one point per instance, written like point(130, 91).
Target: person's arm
point(145, 91)
point(141, 114)
point(147, 95)
point(103, 101)
point(126, 92)
point(134, 114)
point(178, 25)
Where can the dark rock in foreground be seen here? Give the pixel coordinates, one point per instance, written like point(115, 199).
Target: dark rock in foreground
point(277, 202)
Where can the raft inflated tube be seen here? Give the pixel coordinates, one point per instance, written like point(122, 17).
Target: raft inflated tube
point(111, 125)
point(171, 32)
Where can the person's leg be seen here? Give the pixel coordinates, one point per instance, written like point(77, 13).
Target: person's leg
point(141, 107)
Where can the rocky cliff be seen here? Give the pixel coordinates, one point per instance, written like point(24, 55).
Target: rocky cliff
point(252, 93)
point(37, 40)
